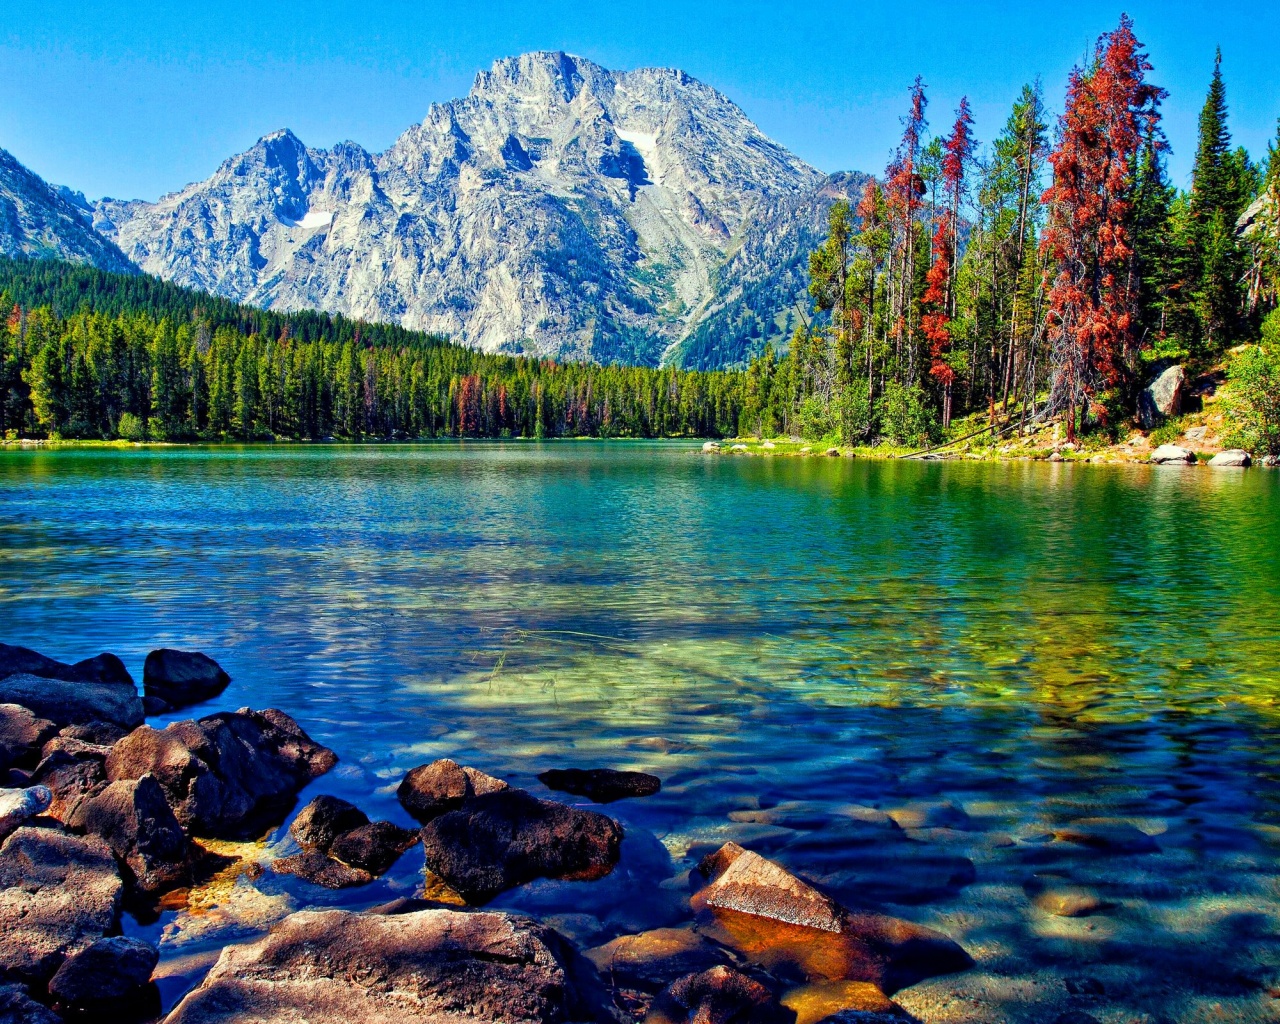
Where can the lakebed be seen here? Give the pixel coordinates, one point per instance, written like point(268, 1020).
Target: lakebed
point(960, 659)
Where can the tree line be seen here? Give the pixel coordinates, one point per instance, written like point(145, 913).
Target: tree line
point(1043, 276)
point(87, 354)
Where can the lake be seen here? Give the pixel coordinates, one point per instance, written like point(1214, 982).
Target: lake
point(989, 651)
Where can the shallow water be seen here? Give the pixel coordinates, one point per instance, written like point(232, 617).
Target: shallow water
point(1035, 643)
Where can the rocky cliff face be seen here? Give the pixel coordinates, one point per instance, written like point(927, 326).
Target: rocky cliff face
point(37, 219)
point(559, 209)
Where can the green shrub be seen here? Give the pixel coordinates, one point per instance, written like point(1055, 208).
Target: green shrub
point(907, 416)
point(130, 427)
point(1253, 406)
point(815, 419)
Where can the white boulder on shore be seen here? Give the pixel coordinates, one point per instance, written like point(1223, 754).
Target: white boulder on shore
point(1233, 457)
point(1172, 454)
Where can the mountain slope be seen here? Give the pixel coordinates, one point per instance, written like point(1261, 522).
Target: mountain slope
point(559, 208)
point(39, 220)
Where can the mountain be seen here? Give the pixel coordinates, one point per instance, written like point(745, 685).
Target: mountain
point(559, 208)
point(37, 219)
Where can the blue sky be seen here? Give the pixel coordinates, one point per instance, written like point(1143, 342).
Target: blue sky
point(137, 100)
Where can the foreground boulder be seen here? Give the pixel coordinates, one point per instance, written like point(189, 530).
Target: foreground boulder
point(175, 679)
point(323, 820)
point(58, 894)
point(1172, 454)
point(104, 668)
point(600, 785)
point(18, 806)
point(134, 819)
point(227, 775)
point(22, 735)
point(1235, 458)
point(336, 967)
point(107, 975)
point(504, 839)
point(431, 790)
point(774, 918)
point(73, 702)
point(720, 995)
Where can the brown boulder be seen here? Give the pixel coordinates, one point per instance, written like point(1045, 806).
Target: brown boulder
point(135, 821)
point(73, 702)
point(321, 869)
point(654, 959)
point(437, 966)
point(107, 975)
point(323, 820)
point(22, 734)
point(71, 778)
point(600, 785)
point(776, 919)
point(373, 847)
point(227, 775)
point(504, 839)
point(431, 790)
point(58, 894)
point(720, 995)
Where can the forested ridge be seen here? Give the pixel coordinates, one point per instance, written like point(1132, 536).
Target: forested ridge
point(1048, 275)
point(87, 354)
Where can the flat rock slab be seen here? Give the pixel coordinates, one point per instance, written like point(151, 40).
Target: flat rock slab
point(68, 702)
point(600, 785)
point(58, 894)
point(504, 839)
point(438, 966)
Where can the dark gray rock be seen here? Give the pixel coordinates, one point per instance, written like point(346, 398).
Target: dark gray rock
point(104, 668)
point(22, 735)
point(17, 1007)
point(323, 820)
point(58, 894)
point(181, 678)
point(504, 839)
point(433, 789)
point(227, 775)
point(431, 966)
point(135, 820)
point(104, 975)
point(600, 785)
point(73, 702)
point(373, 847)
point(101, 733)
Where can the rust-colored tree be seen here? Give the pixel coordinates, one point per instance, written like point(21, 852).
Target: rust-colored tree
point(904, 190)
point(940, 295)
point(1088, 243)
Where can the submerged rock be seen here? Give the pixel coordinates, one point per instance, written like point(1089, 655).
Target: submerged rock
point(843, 1002)
point(73, 702)
point(22, 735)
point(373, 847)
point(58, 894)
point(1069, 901)
point(652, 960)
point(1109, 835)
point(720, 995)
point(774, 918)
point(104, 975)
point(18, 806)
point(181, 678)
point(504, 839)
point(930, 814)
point(337, 967)
point(431, 790)
point(600, 785)
point(323, 820)
point(228, 774)
point(136, 822)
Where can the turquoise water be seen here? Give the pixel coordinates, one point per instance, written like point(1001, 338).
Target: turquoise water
point(778, 639)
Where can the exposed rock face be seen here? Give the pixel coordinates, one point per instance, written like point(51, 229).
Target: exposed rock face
point(181, 678)
point(779, 921)
point(323, 820)
point(22, 735)
point(335, 967)
point(720, 995)
point(227, 774)
point(505, 839)
point(1162, 398)
point(68, 702)
point(601, 785)
point(1233, 457)
point(58, 894)
point(430, 790)
point(559, 207)
point(36, 220)
point(1171, 454)
point(136, 822)
point(18, 806)
point(104, 975)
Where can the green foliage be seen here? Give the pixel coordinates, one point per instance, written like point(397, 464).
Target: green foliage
point(1254, 379)
point(908, 418)
point(130, 427)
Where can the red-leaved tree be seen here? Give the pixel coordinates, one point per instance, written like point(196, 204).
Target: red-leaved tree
point(940, 295)
point(1092, 316)
point(903, 192)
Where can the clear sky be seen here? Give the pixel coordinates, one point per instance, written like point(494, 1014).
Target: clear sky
point(135, 100)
